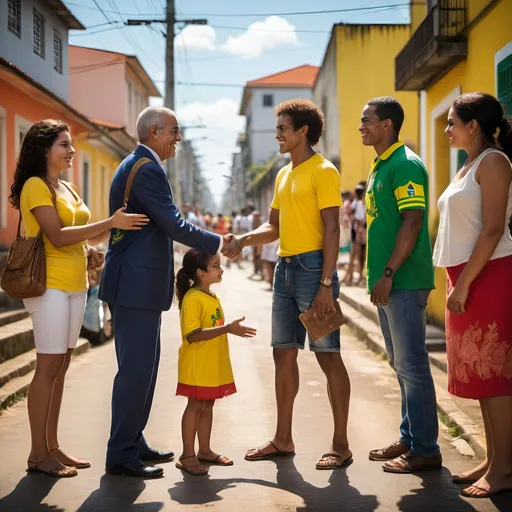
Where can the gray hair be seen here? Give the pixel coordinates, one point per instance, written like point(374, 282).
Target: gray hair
point(151, 116)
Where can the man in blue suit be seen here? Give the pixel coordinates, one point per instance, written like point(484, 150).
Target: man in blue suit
point(138, 284)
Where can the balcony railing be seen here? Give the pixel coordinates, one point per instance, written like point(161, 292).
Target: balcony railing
point(435, 48)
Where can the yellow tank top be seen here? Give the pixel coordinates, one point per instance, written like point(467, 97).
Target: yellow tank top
point(66, 267)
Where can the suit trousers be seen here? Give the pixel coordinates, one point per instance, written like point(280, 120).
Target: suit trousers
point(137, 342)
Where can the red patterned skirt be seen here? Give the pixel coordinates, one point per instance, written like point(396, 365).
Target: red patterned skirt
point(479, 342)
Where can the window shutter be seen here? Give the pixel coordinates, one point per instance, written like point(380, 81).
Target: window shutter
point(505, 83)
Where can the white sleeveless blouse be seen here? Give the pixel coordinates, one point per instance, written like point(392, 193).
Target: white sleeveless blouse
point(460, 222)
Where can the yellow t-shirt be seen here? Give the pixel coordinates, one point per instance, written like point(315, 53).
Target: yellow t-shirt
point(203, 363)
point(66, 267)
point(299, 196)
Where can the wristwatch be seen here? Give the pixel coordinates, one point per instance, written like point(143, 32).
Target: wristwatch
point(388, 272)
point(327, 282)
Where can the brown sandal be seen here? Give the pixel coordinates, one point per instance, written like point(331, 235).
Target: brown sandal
point(65, 472)
point(81, 465)
point(220, 460)
point(334, 461)
point(196, 469)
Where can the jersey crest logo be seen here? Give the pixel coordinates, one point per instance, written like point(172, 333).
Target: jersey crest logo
point(117, 236)
point(380, 186)
point(410, 190)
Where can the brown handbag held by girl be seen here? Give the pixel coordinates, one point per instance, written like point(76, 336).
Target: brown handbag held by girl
point(24, 275)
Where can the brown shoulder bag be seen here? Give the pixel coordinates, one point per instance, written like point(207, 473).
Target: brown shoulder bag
point(135, 169)
point(24, 275)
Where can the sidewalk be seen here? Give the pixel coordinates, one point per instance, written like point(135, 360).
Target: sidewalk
point(462, 416)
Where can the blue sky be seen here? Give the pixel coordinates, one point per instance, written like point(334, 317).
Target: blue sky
point(224, 52)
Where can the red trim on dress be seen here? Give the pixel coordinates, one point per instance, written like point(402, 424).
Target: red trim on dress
point(205, 392)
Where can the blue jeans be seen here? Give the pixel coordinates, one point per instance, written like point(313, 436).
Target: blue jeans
point(296, 284)
point(403, 325)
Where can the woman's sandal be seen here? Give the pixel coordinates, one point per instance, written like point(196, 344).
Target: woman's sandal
point(81, 465)
point(220, 460)
point(196, 469)
point(65, 472)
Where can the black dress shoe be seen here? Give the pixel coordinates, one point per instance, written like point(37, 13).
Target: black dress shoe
point(151, 455)
point(134, 468)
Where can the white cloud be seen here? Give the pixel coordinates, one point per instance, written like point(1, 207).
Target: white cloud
point(261, 36)
point(222, 124)
point(221, 114)
point(196, 37)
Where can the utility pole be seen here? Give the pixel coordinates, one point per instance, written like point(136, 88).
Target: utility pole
point(169, 56)
point(173, 172)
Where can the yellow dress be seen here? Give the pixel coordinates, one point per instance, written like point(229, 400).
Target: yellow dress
point(204, 367)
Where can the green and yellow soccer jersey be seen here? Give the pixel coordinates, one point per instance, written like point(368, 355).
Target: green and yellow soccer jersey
point(398, 181)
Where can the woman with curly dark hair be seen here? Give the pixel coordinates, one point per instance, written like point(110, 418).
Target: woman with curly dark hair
point(56, 315)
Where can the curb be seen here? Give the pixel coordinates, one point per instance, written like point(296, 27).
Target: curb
point(449, 412)
point(17, 389)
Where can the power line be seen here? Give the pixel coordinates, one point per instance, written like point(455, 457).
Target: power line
point(90, 8)
point(249, 29)
point(302, 13)
point(252, 15)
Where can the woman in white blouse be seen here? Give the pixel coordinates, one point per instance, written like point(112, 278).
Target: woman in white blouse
point(475, 246)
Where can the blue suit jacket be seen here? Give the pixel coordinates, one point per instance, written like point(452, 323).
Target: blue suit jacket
point(139, 267)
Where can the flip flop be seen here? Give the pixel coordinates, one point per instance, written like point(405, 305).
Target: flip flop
point(80, 465)
point(65, 472)
point(338, 461)
point(268, 456)
point(220, 460)
point(457, 479)
point(486, 493)
point(195, 470)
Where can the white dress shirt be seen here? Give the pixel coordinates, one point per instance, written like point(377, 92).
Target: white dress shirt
point(160, 163)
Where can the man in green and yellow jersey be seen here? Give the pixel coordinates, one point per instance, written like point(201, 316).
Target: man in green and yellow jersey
point(400, 277)
point(304, 216)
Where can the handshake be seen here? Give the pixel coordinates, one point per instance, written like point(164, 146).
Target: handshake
point(231, 246)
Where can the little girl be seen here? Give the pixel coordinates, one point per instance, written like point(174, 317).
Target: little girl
point(204, 367)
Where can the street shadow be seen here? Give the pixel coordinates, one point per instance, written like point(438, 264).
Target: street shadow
point(338, 495)
point(118, 494)
point(28, 495)
point(503, 502)
point(437, 492)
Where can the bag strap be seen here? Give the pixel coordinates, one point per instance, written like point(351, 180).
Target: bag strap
point(135, 169)
point(54, 201)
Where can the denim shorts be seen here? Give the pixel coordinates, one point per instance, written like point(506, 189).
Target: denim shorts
point(296, 284)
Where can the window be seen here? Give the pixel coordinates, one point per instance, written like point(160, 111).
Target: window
point(268, 100)
point(14, 16)
point(505, 83)
point(57, 52)
point(38, 34)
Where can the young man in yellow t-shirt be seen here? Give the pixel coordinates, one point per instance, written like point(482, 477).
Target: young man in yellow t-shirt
point(304, 216)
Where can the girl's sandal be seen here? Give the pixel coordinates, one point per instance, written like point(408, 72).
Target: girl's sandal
point(195, 469)
point(65, 472)
point(84, 464)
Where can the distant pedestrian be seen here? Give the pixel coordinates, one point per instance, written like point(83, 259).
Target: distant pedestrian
point(54, 206)
point(204, 366)
point(400, 277)
point(475, 246)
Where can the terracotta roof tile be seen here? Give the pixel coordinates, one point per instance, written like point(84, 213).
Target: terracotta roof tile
point(302, 76)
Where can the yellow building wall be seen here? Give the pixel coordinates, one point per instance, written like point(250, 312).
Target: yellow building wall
point(365, 56)
point(476, 73)
point(103, 165)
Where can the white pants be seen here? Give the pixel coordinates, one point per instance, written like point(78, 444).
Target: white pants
point(57, 318)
